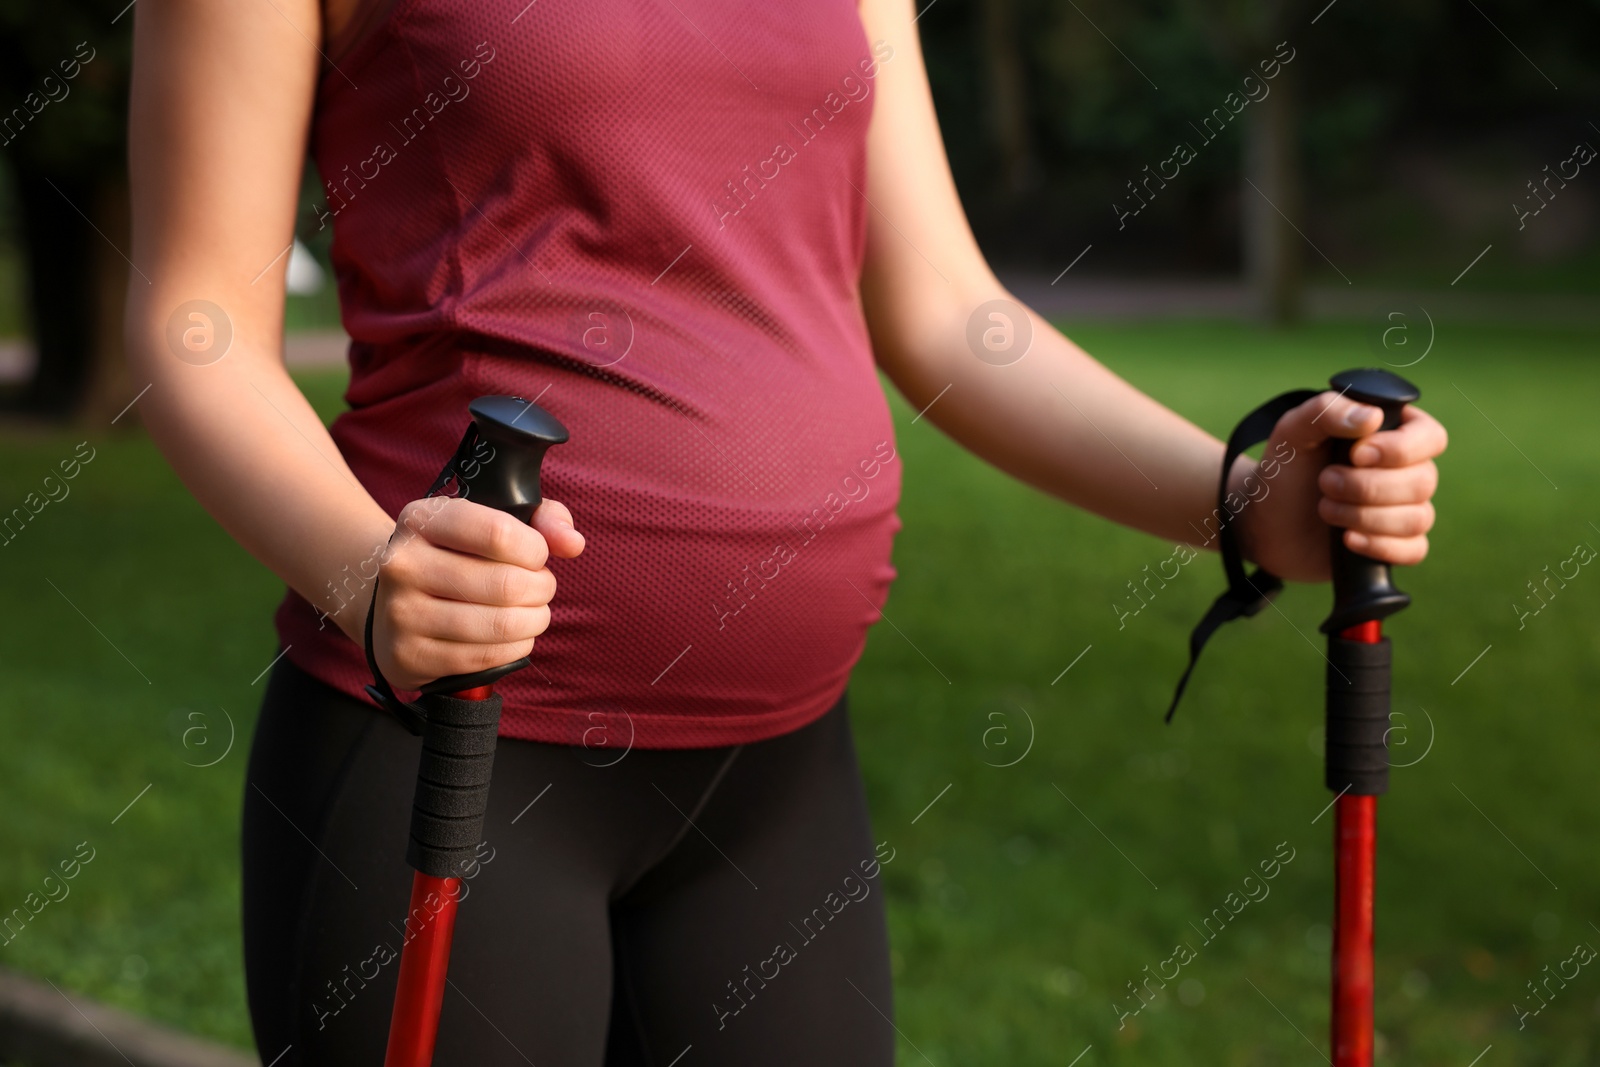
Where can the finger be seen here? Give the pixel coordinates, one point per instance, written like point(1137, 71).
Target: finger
point(469, 527)
point(1380, 485)
point(1326, 415)
point(554, 523)
point(1419, 437)
point(457, 576)
point(476, 624)
point(1401, 551)
point(429, 658)
point(1405, 520)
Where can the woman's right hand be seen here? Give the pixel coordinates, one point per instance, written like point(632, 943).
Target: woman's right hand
point(463, 587)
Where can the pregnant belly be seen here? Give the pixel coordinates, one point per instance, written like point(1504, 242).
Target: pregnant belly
point(728, 625)
point(739, 516)
point(737, 548)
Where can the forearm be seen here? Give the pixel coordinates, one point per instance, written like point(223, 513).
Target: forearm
point(219, 112)
point(244, 440)
point(1060, 421)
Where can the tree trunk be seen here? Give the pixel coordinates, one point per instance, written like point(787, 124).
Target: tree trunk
point(59, 297)
point(76, 292)
point(1273, 250)
point(109, 387)
point(1008, 99)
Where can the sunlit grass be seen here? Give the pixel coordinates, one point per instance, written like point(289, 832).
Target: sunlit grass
point(1018, 915)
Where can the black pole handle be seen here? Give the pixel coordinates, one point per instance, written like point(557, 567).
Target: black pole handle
point(1363, 589)
point(459, 731)
point(517, 433)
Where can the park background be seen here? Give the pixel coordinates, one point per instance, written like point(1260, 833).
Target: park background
point(1388, 202)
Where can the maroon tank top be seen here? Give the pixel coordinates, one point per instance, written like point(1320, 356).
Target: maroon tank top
point(647, 215)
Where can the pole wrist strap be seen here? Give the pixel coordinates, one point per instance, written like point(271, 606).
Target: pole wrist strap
point(1246, 593)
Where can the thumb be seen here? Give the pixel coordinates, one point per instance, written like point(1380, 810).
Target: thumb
point(554, 523)
point(1310, 425)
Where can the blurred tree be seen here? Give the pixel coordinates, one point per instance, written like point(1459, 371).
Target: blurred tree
point(1244, 34)
point(1008, 95)
point(63, 113)
point(1050, 108)
point(1368, 85)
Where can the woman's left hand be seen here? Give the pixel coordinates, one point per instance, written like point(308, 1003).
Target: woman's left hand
point(1383, 499)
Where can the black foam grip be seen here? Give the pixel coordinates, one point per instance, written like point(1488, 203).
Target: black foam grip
point(452, 794)
point(1357, 756)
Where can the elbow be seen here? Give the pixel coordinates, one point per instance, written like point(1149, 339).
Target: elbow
point(195, 332)
point(135, 340)
point(924, 333)
point(142, 331)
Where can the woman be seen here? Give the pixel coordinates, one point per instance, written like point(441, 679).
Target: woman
point(693, 231)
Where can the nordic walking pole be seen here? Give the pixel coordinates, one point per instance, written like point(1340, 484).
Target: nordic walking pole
point(1357, 759)
point(497, 465)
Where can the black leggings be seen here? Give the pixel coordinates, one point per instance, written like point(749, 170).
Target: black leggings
point(697, 907)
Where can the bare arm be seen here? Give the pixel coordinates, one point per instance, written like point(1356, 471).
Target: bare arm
point(1056, 418)
point(221, 107)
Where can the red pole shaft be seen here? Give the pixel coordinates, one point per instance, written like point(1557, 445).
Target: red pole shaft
point(424, 959)
point(1356, 821)
point(1355, 849)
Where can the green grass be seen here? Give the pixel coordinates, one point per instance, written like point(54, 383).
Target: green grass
point(319, 311)
point(1428, 264)
point(1016, 921)
point(1042, 892)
